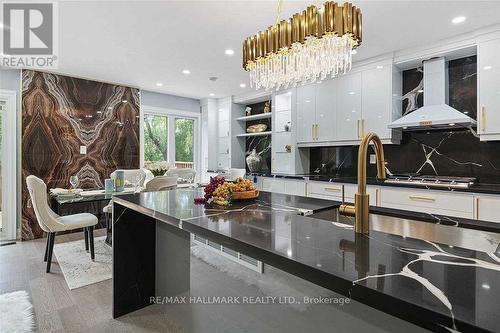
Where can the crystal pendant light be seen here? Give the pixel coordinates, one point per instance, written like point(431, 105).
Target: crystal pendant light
point(310, 46)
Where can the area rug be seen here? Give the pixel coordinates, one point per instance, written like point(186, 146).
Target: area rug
point(77, 267)
point(273, 282)
point(16, 313)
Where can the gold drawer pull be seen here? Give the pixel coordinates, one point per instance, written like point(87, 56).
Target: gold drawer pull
point(332, 189)
point(483, 119)
point(416, 197)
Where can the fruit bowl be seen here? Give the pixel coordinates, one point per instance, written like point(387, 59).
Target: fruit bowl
point(245, 195)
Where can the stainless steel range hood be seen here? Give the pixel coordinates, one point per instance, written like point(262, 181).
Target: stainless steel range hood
point(436, 113)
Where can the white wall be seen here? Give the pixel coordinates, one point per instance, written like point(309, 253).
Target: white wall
point(172, 102)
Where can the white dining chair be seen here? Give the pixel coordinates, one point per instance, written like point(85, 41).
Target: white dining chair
point(52, 223)
point(184, 175)
point(130, 176)
point(161, 183)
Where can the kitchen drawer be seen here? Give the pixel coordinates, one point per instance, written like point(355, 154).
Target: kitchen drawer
point(324, 190)
point(486, 208)
point(333, 191)
point(284, 186)
point(428, 201)
point(273, 185)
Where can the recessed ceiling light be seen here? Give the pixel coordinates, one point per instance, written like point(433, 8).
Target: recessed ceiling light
point(211, 94)
point(380, 67)
point(351, 93)
point(186, 71)
point(486, 68)
point(354, 52)
point(458, 19)
point(229, 52)
point(159, 84)
point(243, 85)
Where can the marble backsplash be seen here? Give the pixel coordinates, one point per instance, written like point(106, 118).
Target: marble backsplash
point(444, 152)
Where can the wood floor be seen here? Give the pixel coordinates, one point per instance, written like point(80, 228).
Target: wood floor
point(88, 309)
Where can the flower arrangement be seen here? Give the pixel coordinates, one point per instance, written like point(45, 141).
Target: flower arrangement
point(157, 168)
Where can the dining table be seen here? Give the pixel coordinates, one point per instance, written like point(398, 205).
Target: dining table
point(93, 201)
point(88, 201)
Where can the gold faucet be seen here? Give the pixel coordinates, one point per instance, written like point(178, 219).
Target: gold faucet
point(360, 209)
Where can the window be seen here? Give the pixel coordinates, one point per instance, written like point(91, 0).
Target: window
point(155, 138)
point(171, 138)
point(184, 139)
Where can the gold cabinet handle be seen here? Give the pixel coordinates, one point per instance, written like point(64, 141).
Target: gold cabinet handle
point(358, 129)
point(483, 119)
point(312, 131)
point(417, 197)
point(362, 127)
point(333, 189)
point(476, 208)
point(317, 131)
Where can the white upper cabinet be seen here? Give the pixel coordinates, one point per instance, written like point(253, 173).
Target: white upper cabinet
point(326, 110)
point(488, 114)
point(306, 113)
point(376, 101)
point(340, 111)
point(349, 107)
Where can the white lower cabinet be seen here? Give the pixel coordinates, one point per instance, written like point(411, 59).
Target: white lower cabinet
point(428, 201)
point(284, 186)
point(454, 204)
point(486, 208)
point(333, 191)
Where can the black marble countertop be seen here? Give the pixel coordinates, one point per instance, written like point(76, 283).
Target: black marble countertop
point(432, 284)
point(475, 188)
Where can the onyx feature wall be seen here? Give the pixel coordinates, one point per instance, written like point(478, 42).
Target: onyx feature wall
point(262, 144)
point(60, 114)
point(445, 152)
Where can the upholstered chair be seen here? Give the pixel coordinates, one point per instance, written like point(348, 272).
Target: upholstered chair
point(52, 223)
point(161, 183)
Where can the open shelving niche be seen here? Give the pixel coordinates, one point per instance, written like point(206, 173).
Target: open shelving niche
point(291, 160)
point(260, 140)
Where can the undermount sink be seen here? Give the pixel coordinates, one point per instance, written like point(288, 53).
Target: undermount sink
point(449, 235)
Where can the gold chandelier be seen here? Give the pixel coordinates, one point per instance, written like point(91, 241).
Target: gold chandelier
point(308, 46)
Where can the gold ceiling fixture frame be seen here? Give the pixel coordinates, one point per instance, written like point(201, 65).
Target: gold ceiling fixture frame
point(311, 45)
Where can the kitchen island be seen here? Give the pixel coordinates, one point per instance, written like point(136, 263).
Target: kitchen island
point(435, 285)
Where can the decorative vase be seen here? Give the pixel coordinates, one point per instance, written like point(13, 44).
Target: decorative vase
point(254, 161)
point(267, 107)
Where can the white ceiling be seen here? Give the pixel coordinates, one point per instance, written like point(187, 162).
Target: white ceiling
point(139, 43)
